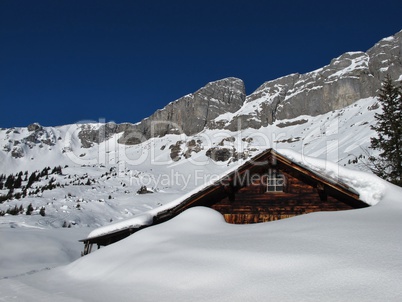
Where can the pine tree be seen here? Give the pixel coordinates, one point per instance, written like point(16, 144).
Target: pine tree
point(10, 193)
point(30, 209)
point(18, 182)
point(3, 198)
point(57, 170)
point(388, 164)
point(31, 180)
point(13, 211)
point(10, 182)
point(42, 211)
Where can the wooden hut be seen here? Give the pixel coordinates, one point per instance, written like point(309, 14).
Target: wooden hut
point(268, 187)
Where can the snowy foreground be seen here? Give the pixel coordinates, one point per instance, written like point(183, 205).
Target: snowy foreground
point(332, 256)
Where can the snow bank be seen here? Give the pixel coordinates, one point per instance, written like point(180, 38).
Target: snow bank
point(196, 256)
point(29, 250)
point(325, 256)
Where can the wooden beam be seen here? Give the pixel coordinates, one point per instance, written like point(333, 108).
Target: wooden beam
point(321, 192)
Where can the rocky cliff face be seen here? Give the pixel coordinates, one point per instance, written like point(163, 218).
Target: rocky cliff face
point(191, 113)
point(348, 78)
point(89, 135)
point(223, 104)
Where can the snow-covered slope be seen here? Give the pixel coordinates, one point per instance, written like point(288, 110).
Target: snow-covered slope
point(99, 184)
point(324, 256)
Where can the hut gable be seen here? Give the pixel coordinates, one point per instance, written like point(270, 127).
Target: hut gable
point(268, 187)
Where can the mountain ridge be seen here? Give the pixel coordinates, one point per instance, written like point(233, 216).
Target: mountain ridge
point(346, 79)
point(102, 171)
point(223, 104)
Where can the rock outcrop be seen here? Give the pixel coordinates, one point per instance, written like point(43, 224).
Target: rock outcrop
point(348, 78)
point(90, 135)
point(191, 113)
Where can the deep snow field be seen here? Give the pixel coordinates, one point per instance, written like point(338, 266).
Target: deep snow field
point(328, 256)
point(332, 256)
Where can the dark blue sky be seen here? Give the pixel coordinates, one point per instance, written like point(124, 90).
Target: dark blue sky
point(66, 61)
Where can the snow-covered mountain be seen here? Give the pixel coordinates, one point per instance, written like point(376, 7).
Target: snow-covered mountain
point(325, 113)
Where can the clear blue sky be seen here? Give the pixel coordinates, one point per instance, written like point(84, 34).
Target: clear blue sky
point(66, 61)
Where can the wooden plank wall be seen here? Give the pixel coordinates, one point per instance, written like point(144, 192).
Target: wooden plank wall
point(253, 204)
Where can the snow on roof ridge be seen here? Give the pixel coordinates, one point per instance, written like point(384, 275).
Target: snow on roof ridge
point(370, 187)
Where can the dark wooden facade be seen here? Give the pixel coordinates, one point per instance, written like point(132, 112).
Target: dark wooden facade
point(268, 187)
point(254, 203)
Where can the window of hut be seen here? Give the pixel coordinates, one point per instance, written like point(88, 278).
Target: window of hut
point(275, 181)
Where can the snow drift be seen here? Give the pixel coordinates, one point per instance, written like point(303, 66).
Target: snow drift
point(325, 256)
